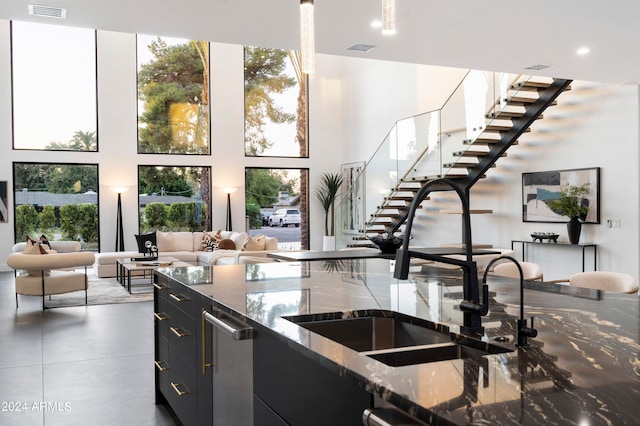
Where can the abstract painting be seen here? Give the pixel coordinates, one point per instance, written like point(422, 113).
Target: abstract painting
point(539, 188)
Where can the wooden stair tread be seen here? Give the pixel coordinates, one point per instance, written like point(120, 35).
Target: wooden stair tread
point(508, 115)
point(485, 141)
point(521, 100)
point(462, 165)
point(501, 128)
point(472, 153)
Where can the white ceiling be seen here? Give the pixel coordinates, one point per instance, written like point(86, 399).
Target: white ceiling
point(498, 35)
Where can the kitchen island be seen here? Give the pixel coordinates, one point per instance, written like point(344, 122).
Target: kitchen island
point(582, 368)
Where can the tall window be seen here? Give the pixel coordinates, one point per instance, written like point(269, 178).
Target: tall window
point(54, 87)
point(173, 96)
point(57, 200)
point(275, 104)
point(174, 198)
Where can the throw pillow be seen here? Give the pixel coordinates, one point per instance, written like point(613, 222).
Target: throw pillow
point(271, 243)
point(36, 249)
point(166, 241)
point(208, 238)
point(210, 246)
point(33, 249)
point(255, 243)
point(45, 241)
point(226, 244)
point(147, 243)
point(240, 239)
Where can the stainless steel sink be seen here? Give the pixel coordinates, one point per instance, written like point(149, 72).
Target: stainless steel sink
point(393, 338)
point(432, 353)
point(375, 330)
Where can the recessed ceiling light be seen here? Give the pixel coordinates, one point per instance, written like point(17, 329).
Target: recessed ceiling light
point(376, 24)
point(47, 11)
point(361, 47)
point(538, 67)
point(583, 51)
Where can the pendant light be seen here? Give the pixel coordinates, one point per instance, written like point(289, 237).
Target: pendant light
point(388, 17)
point(307, 42)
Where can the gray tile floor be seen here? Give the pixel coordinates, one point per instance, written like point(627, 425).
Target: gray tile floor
point(86, 365)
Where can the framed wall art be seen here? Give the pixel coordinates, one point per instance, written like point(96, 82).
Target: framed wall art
point(4, 203)
point(538, 188)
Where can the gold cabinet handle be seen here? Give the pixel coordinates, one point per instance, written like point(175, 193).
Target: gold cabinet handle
point(179, 332)
point(178, 391)
point(161, 316)
point(178, 297)
point(203, 338)
point(162, 365)
point(160, 286)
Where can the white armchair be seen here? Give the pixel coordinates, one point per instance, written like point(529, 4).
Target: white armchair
point(36, 275)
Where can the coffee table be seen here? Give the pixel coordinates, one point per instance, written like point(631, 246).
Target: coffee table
point(125, 267)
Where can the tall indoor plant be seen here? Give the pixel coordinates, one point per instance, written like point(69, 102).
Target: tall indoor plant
point(327, 193)
point(573, 205)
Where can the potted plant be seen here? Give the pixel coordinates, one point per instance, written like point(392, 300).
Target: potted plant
point(572, 204)
point(327, 193)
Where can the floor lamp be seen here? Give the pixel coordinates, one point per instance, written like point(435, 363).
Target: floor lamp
point(229, 191)
point(119, 229)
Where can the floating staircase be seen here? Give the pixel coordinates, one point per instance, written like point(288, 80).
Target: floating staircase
point(510, 117)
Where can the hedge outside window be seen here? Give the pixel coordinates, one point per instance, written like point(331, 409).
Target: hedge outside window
point(173, 96)
point(174, 198)
point(57, 200)
point(54, 87)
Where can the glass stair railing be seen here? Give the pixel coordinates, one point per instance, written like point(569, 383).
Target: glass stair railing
point(447, 142)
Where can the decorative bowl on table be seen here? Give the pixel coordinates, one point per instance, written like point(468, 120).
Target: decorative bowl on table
point(542, 236)
point(386, 242)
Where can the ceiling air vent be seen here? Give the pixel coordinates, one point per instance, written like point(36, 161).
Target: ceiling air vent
point(47, 11)
point(360, 47)
point(538, 67)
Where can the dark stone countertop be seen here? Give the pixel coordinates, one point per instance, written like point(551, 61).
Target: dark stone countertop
point(583, 368)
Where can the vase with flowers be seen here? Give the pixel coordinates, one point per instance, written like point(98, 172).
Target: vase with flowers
point(573, 204)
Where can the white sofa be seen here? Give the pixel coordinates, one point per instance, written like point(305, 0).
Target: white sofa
point(188, 247)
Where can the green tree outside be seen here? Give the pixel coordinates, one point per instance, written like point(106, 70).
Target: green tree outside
point(175, 118)
point(263, 77)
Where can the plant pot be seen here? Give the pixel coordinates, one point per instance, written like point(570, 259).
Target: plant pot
point(328, 243)
point(574, 226)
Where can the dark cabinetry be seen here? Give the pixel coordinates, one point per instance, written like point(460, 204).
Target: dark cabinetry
point(292, 389)
point(183, 378)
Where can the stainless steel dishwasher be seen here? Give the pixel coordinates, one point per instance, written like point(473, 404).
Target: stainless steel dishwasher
point(232, 364)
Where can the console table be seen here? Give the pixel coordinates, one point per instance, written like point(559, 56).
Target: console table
point(584, 247)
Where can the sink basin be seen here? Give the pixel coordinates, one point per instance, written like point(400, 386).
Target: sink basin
point(394, 339)
point(432, 353)
point(374, 330)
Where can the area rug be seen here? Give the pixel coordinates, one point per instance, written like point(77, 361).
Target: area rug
point(104, 291)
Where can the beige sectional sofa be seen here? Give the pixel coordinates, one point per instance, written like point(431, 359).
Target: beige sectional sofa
point(189, 247)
